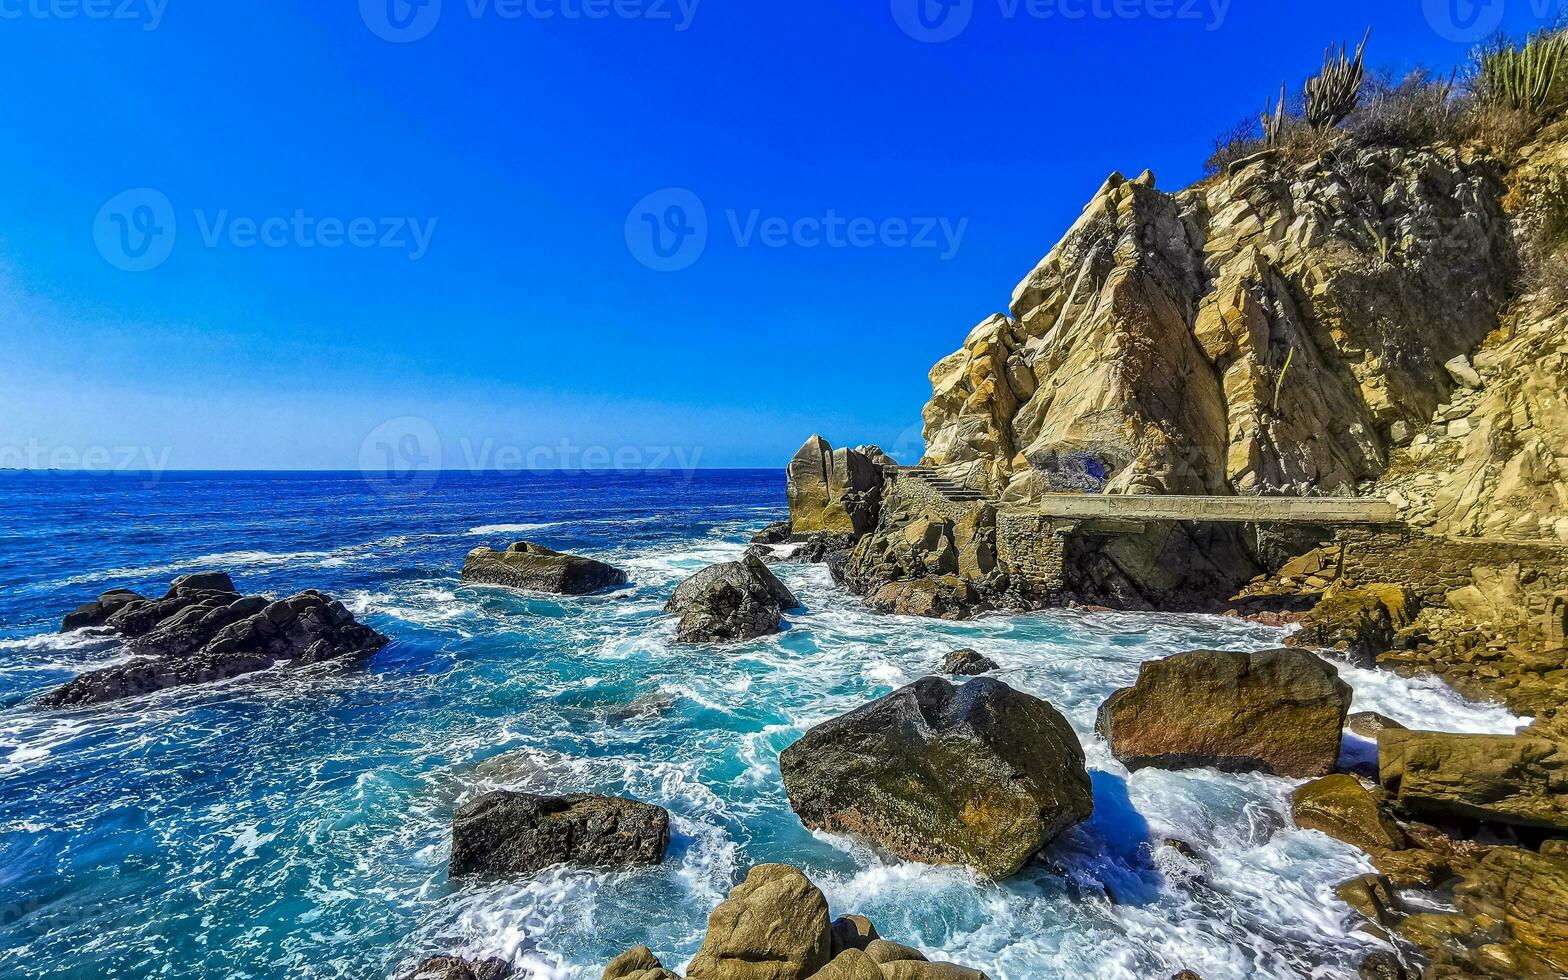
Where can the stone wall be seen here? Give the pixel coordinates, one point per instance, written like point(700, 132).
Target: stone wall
point(1029, 548)
point(918, 496)
point(1489, 580)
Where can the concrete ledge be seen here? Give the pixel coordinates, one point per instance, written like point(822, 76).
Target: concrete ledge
point(1238, 510)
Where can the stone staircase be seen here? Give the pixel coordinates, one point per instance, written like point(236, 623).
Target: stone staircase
point(948, 487)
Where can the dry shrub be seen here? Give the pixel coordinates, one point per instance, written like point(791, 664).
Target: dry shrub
point(1499, 129)
point(1540, 211)
point(1237, 143)
point(1418, 110)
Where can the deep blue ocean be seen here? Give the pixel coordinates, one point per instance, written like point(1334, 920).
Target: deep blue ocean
point(296, 823)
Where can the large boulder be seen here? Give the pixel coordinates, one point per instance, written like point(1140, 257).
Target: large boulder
point(1509, 779)
point(981, 775)
point(538, 569)
point(968, 663)
point(222, 635)
point(1280, 712)
point(833, 491)
point(97, 612)
point(774, 926)
point(738, 600)
point(521, 833)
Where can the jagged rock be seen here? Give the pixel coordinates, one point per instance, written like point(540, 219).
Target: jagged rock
point(97, 612)
point(455, 968)
point(216, 636)
point(948, 597)
point(1280, 712)
point(735, 601)
point(1381, 965)
point(538, 569)
point(520, 833)
point(1338, 805)
point(968, 663)
point(1358, 622)
point(981, 775)
point(1509, 779)
point(774, 926)
point(1528, 892)
point(779, 533)
point(1368, 724)
point(830, 491)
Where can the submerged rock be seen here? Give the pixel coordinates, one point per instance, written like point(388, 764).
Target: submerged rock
point(981, 775)
point(739, 600)
point(538, 569)
point(521, 833)
point(1281, 712)
point(968, 663)
point(214, 636)
point(1510, 779)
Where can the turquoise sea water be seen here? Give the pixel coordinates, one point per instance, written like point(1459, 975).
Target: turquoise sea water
point(295, 824)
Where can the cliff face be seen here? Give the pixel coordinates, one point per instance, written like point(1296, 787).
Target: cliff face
point(1148, 351)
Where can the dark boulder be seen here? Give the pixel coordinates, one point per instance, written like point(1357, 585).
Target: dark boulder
point(538, 569)
point(738, 600)
point(981, 775)
point(773, 534)
point(968, 663)
point(455, 968)
point(520, 833)
point(97, 612)
point(1281, 712)
point(206, 642)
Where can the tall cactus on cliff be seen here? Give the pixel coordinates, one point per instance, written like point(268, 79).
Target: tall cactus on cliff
point(1274, 120)
point(1527, 79)
point(1335, 93)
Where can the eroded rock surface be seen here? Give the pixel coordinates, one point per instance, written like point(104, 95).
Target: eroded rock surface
point(834, 492)
point(536, 568)
point(1509, 779)
point(1281, 712)
point(982, 775)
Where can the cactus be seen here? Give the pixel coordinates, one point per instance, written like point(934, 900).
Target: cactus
point(1335, 93)
point(1526, 79)
point(1274, 120)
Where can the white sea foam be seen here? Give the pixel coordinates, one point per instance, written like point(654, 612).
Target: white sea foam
point(493, 529)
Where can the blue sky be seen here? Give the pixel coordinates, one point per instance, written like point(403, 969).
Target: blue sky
point(350, 226)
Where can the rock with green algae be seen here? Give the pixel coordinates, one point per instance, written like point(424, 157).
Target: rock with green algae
point(533, 567)
point(1359, 623)
point(982, 775)
point(1279, 711)
point(1338, 805)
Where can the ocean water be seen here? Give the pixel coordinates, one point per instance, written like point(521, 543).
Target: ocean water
point(296, 824)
